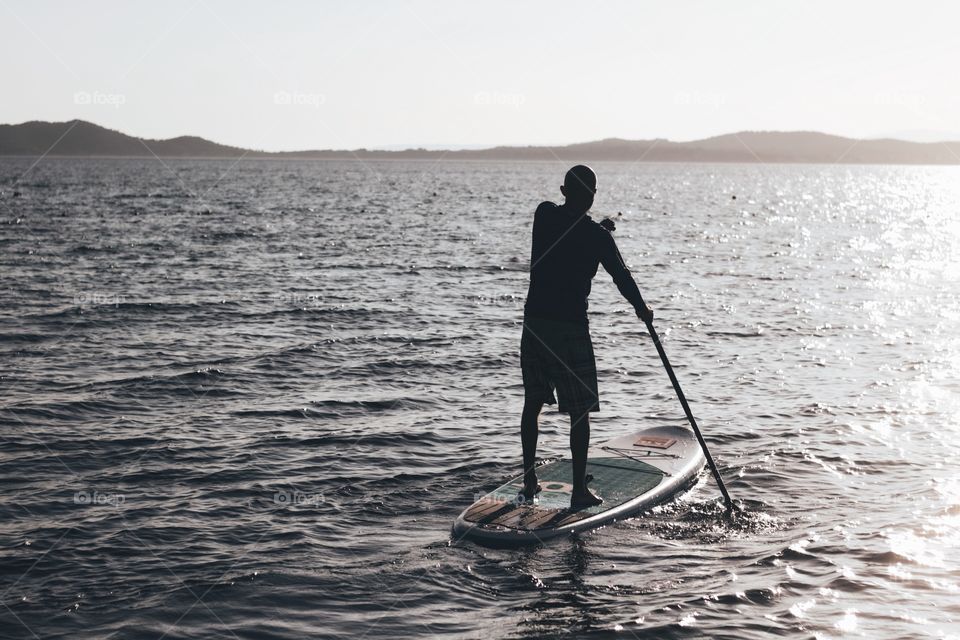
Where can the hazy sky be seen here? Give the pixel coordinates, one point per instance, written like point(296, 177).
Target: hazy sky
point(348, 73)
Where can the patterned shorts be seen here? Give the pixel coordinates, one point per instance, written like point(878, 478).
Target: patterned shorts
point(559, 355)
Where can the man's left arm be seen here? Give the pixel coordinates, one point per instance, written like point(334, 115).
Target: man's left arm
point(613, 263)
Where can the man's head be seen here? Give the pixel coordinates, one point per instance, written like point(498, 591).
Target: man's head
point(579, 187)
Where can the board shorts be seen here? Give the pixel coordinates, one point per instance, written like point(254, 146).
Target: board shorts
point(558, 355)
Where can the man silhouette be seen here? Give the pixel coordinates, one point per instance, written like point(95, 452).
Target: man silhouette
point(555, 348)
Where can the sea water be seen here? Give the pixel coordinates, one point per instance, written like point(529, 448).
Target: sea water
point(248, 398)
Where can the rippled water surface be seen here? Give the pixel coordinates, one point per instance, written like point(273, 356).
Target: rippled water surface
point(248, 400)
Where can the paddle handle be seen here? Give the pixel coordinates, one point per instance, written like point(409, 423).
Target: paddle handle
point(686, 409)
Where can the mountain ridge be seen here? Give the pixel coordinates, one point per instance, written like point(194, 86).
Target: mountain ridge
point(80, 138)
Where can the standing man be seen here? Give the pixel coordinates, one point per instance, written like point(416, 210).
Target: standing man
point(555, 349)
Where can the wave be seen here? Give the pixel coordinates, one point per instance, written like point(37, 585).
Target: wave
point(70, 411)
point(753, 333)
point(336, 408)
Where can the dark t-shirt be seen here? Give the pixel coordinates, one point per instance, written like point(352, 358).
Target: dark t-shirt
point(567, 249)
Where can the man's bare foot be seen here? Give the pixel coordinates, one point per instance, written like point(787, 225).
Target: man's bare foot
point(530, 489)
point(584, 500)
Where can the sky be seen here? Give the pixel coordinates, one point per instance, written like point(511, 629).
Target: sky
point(316, 74)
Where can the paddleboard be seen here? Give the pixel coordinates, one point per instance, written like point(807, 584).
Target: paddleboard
point(631, 473)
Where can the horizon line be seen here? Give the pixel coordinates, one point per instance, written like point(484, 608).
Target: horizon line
point(399, 148)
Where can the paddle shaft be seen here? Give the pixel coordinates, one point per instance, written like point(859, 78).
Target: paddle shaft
point(686, 409)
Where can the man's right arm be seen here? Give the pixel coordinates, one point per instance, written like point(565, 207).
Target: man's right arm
point(543, 209)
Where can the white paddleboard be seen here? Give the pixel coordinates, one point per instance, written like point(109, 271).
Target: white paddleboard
point(631, 473)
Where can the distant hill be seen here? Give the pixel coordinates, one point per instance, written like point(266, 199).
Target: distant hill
point(80, 138)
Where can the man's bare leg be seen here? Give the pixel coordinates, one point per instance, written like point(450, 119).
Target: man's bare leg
point(529, 431)
point(579, 443)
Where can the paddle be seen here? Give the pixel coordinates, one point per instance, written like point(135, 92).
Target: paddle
point(686, 408)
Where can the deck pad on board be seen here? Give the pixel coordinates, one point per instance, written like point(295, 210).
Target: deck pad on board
point(616, 480)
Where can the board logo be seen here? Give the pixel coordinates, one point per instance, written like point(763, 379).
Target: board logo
point(654, 442)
